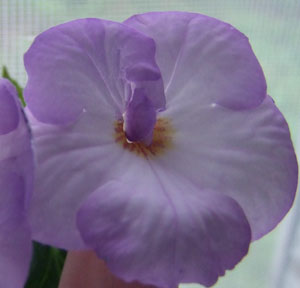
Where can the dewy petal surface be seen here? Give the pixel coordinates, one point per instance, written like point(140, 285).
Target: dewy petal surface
point(88, 64)
point(203, 57)
point(16, 177)
point(162, 230)
point(247, 155)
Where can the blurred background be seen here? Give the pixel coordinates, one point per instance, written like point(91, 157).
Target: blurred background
point(273, 27)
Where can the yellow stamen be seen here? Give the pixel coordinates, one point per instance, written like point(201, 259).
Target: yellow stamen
point(162, 139)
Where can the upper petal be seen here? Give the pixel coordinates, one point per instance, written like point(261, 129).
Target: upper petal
point(162, 230)
point(204, 57)
point(89, 65)
point(248, 155)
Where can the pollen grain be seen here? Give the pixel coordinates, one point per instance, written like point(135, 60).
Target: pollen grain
point(162, 139)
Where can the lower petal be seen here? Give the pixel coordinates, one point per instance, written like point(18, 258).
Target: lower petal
point(162, 230)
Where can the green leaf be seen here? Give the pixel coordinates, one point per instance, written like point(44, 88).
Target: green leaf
point(6, 75)
point(46, 267)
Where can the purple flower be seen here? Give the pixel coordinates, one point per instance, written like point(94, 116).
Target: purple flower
point(16, 182)
point(156, 145)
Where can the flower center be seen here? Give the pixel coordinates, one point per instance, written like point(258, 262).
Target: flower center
point(161, 141)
